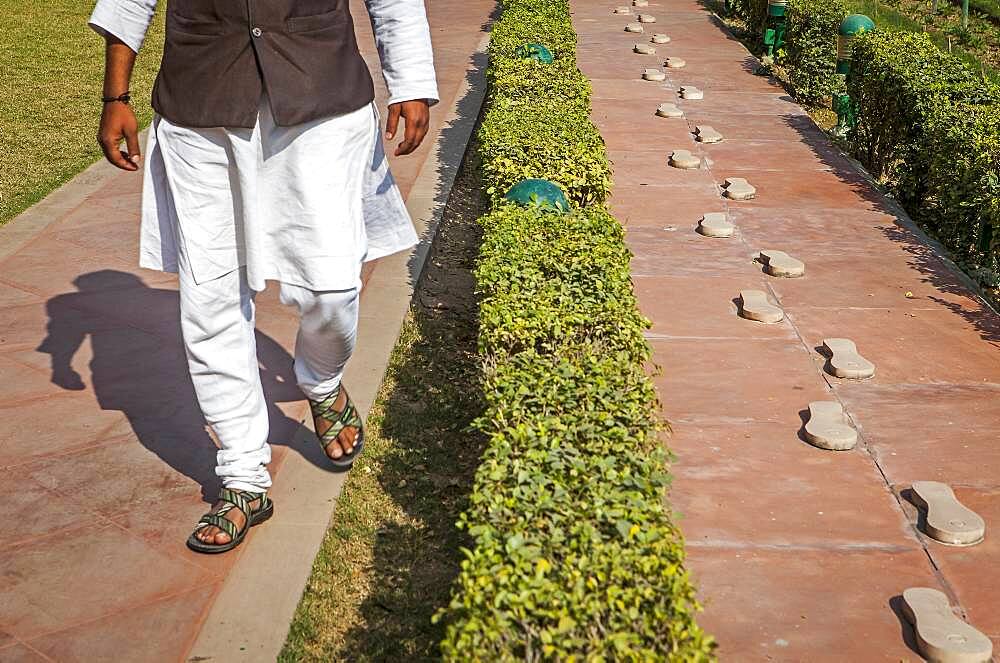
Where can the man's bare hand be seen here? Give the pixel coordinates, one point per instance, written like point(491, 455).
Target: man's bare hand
point(118, 123)
point(417, 116)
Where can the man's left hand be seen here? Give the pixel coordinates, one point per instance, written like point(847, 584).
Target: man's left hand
point(417, 116)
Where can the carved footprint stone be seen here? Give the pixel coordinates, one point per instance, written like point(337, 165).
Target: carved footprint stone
point(779, 263)
point(675, 63)
point(640, 3)
point(691, 92)
point(845, 361)
point(669, 110)
point(644, 49)
point(647, 18)
point(714, 224)
point(634, 27)
point(653, 75)
point(827, 427)
point(948, 520)
point(738, 188)
point(684, 160)
point(660, 38)
point(623, 10)
point(754, 305)
point(941, 636)
point(706, 134)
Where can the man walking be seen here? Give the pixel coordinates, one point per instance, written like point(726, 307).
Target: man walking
point(264, 162)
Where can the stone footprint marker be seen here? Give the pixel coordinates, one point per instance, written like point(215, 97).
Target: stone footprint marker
point(684, 160)
point(845, 361)
point(737, 188)
point(653, 75)
point(754, 305)
point(647, 18)
point(640, 3)
point(714, 224)
point(780, 264)
point(675, 63)
point(947, 520)
point(669, 110)
point(634, 27)
point(706, 134)
point(941, 636)
point(828, 427)
point(644, 49)
point(691, 92)
point(660, 38)
point(622, 10)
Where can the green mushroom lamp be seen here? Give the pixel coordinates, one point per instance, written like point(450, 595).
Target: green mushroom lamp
point(538, 193)
point(537, 52)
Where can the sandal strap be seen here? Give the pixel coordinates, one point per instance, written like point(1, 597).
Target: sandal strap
point(223, 523)
point(242, 499)
point(341, 419)
point(234, 499)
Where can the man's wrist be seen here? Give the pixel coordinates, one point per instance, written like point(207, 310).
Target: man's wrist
point(124, 98)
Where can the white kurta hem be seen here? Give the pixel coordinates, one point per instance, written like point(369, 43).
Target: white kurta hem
point(303, 205)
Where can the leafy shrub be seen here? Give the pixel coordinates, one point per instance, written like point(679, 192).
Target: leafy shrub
point(896, 77)
point(960, 199)
point(574, 555)
point(566, 515)
point(546, 138)
point(810, 52)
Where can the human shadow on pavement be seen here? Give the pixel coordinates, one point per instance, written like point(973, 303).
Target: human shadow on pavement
point(138, 367)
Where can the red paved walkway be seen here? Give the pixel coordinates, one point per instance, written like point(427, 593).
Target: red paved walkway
point(104, 462)
point(799, 553)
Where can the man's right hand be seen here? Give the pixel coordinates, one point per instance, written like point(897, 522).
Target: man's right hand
point(118, 123)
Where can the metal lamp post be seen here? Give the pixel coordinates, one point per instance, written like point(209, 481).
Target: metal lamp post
point(850, 27)
point(774, 27)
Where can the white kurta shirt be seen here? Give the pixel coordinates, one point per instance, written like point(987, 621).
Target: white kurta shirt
point(302, 205)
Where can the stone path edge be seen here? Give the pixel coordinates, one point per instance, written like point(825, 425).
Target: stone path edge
point(239, 624)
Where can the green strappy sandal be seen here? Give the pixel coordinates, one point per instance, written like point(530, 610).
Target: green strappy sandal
point(234, 499)
point(339, 420)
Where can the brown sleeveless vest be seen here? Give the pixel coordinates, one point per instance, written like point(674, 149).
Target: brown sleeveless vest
point(220, 55)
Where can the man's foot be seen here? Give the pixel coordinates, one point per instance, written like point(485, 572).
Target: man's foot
point(212, 534)
point(224, 527)
point(337, 425)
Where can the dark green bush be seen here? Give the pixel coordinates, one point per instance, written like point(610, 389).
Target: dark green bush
point(896, 78)
point(547, 138)
point(810, 52)
point(960, 199)
point(574, 555)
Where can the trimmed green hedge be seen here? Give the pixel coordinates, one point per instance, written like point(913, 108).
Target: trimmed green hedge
point(928, 125)
point(896, 79)
point(574, 555)
point(810, 52)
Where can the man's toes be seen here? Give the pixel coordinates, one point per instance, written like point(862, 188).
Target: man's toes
point(221, 538)
point(335, 451)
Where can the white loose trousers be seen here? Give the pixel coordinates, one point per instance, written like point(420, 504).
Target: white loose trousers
point(249, 205)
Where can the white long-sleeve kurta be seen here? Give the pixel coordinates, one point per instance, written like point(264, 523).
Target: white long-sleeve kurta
point(285, 202)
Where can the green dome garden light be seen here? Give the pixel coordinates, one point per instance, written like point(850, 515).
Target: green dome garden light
point(850, 27)
point(536, 52)
point(542, 194)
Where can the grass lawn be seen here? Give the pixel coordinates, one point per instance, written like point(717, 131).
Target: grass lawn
point(51, 73)
point(392, 550)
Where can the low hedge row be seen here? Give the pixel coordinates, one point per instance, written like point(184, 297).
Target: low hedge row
point(927, 124)
point(810, 53)
point(573, 552)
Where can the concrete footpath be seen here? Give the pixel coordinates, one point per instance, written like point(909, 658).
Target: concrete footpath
point(800, 554)
point(105, 464)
